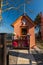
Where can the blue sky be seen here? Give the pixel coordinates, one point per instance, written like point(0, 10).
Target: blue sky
point(9, 16)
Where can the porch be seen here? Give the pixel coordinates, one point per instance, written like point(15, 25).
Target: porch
point(21, 43)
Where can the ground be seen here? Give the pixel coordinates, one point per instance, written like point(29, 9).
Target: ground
point(40, 45)
point(25, 57)
point(31, 58)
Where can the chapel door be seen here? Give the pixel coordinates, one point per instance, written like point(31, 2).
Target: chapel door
point(25, 39)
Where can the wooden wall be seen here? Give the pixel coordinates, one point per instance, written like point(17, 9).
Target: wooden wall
point(41, 27)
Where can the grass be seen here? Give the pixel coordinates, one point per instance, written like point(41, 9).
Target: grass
point(40, 45)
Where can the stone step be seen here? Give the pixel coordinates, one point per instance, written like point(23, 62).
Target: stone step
point(23, 57)
point(23, 61)
point(12, 60)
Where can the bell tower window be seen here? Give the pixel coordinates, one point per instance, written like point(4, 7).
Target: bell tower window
point(24, 21)
point(24, 31)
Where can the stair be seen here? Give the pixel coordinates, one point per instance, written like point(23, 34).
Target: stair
point(21, 57)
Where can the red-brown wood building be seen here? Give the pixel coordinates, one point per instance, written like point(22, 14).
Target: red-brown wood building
point(24, 29)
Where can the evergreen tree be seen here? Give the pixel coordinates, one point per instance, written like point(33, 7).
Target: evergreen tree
point(37, 23)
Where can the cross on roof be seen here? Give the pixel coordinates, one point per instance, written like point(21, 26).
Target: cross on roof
point(25, 5)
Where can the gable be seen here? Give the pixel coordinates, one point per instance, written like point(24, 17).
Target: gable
point(28, 19)
point(21, 18)
point(16, 21)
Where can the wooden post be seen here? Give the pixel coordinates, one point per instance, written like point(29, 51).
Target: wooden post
point(3, 51)
point(4, 48)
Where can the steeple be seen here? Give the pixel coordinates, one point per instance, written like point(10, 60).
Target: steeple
point(24, 9)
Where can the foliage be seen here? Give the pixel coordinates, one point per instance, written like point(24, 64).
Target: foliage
point(37, 20)
point(37, 23)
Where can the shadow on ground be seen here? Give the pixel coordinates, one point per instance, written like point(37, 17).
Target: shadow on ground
point(19, 54)
point(38, 57)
